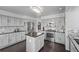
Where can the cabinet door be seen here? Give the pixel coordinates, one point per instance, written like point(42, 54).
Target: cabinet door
point(12, 39)
point(22, 35)
point(15, 22)
point(59, 38)
point(0, 20)
point(18, 37)
point(4, 20)
point(3, 41)
point(11, 21)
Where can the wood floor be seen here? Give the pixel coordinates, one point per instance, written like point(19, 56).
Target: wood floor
point(19, 47)
point(48, 47)
point(52, 47)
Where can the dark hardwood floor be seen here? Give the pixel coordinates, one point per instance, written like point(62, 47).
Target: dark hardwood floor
point(19, 47)
point(48, 47)
point(52, 47)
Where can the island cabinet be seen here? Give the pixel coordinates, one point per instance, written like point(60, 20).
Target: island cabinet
point(59, 37)
point(34, 44)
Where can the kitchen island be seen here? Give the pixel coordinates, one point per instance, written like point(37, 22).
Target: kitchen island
point(34, 42)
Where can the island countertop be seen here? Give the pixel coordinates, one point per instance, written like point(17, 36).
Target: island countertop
point(32, 35)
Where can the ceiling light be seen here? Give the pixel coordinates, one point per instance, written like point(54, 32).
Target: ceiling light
point(37, 9)
point(60, 8)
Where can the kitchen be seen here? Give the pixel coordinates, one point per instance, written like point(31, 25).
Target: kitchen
point(39, 28)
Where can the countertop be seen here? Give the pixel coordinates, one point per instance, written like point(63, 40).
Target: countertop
point(74, 42)
point(54, 31)
point(32, 35)
point(10, 32)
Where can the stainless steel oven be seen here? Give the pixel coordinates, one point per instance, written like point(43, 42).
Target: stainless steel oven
point(50, 36)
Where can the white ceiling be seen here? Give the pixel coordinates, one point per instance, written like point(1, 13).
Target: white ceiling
point(25, 10)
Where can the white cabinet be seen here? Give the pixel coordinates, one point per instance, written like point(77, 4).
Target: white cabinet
point(17, 22)
point(34, 44)
point(11, 38)
point(3, 41)
point(3, 20)
point(18, 36)
point(21, 22)
point(22, 35)
point(0, 20)
point(59, 37)
point(11, 21)
point(59, 23)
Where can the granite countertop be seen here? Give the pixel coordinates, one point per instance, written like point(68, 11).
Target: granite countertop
point(34, 35)
point(54, 31)
point(10, 32)
point(51, 30)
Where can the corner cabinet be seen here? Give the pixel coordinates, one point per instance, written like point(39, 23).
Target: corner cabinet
point(60, 37)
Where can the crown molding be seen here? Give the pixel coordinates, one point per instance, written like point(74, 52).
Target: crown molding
point(53, 16)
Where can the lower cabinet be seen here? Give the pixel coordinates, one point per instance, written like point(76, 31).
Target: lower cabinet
point(60, 37)
point(10, 39)
point(18, 37)
point(3, 41)
point(22, 35)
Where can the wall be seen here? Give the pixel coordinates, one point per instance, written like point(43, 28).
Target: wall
point(72, 21)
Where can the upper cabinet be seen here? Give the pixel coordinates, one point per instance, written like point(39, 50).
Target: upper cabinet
point(0, 20)
point(60, 24)
point(11, 21)
point(3, 20)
